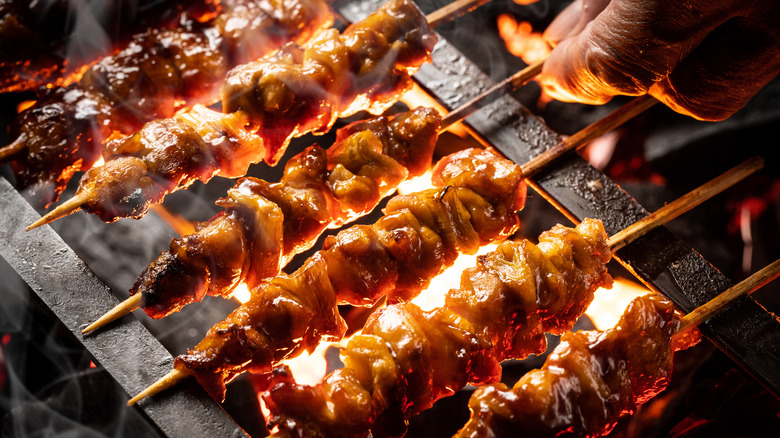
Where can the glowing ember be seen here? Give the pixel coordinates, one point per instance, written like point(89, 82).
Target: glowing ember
point(433, 296)
point(608, 305)
point(101, 161)
point(521, 40)
point(241, 293)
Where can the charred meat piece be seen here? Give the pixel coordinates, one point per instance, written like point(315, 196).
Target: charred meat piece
point(405, 359)
point(265, 224)
point(419, 235)
point(588, 381)
point(297, 90)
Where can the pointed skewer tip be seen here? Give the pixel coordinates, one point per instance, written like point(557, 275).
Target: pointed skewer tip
point(172, 378)
point(70, 206)
point(120, 310)
point(12, 150)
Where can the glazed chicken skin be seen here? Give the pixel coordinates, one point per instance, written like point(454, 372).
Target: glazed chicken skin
point(297, 90)
point(156, 74)
point(589, 380)
point(265, 224)
point(475, 202)
point(405, 359)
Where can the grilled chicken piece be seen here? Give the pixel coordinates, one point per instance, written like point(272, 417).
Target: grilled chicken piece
point(265, 224)
point(405, 359)
point(420, 234)
point(588, 381)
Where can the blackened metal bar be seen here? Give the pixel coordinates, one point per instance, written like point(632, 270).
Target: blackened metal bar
point(746, 332)
point(129, 352)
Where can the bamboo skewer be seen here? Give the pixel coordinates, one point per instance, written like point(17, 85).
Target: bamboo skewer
point(662, 215)
point(172, 378)
point(725, 298)
point(447, 13)
point(72, 205)
point(684, 203)
point(16, 147)
point(509, 84)
point(611, 121)
point(434, 19)
point(120, 310)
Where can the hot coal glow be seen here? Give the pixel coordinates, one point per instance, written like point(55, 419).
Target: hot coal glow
point(521, 40)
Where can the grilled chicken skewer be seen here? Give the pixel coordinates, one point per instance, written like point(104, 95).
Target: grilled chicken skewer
point(405, 359)
point(187, 272)
point(592, 378)
point(397, 255)
point(297, 90)
point(474, 202)
point(160, 71)
point(264, 225)
point(35, 35)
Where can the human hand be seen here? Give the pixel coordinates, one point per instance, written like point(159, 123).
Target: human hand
point(703, 58)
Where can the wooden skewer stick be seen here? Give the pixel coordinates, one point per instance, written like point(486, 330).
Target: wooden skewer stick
point(452, 11)
point(120, 310)
point(72, 205)
point(685, 203)
point(591, 132)
point(725, 298)
point(12, 150)
point(172, 378)
point(511, 83)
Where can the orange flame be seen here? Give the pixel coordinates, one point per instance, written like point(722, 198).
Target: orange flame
point(179, 224)
point(433, 296)
point(609, 305)
point(241, 293)
point(521, 40)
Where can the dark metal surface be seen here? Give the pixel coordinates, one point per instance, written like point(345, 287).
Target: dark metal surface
point(127, 351)
point(746, 332)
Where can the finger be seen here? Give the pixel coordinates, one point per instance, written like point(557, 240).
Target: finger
point(725, 71)
point(573, 19)
point(628, 47)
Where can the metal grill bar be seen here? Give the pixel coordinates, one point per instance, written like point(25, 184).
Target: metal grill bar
point(129, 352)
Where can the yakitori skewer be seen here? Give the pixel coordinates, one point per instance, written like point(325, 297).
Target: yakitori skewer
point(223, 354)
point(265, 103)
point(406, 359)
point(575, 393)
point(158, 73)
point(168, 283)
